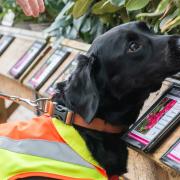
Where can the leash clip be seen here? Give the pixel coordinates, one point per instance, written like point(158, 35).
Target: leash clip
point(39, 103)
point(45, 105)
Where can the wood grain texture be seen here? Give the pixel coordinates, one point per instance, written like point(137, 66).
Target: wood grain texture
point(13, 54)
point(76, 45)
point(36, 68)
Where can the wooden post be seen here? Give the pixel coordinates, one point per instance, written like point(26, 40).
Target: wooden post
point(3, 111)
point(141, 168)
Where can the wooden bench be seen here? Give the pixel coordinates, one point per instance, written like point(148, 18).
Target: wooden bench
point(141, 166)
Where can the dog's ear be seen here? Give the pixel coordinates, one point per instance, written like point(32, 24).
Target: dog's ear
point(81, 91)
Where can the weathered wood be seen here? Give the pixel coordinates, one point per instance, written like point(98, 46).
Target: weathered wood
point(12, 55)
point(28, 71)
point(141, 168)
point(23, 33)
point(36, 68)
point(12, 107)
point(3, 112)
point(12, 87)
point(76, 45)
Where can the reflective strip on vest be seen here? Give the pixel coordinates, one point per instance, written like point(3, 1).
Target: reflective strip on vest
point(46, 149)
point(14, 165)
point(66, 131)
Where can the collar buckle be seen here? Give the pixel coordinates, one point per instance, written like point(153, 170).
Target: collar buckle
point(64, 114)
point(60, 112)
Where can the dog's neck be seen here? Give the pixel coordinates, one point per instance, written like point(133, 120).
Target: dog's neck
point(123, 111)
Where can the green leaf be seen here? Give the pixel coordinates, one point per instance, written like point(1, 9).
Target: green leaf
point(156, 27)
point(81, 7)
point(124, 15)
point(105, 18)
point(162, 6)
point(177, 2)
point(132, 5)
point(172, 24)
point(117, 2)
point(159, 10)
point(77, 23)
point(169, 18)
point(103, 7)
point(73, 34)
point(60, 19)
point(86, 26)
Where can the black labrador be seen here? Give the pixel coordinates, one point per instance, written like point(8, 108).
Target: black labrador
point(112, 81)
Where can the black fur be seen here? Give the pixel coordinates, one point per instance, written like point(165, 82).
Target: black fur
point(121, 69)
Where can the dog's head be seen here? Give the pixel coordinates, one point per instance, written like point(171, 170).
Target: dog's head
point(127, 58)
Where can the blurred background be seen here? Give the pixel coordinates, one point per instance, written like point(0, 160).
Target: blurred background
point(86, 19)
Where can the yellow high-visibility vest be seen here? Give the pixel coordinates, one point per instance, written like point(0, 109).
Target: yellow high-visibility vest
point(45, 147)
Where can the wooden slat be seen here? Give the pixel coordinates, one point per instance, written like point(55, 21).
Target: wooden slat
point(12, 87)
point(3, 112)
point(12, 55)
point(36, 68)
point(28, 71)
point(12, 107)
point(23, 33)
point(76, 45)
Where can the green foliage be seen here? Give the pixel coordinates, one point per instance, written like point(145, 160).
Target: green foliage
point(104, 7)
point(132, 5)
point(117, 2)
point(86, 19)
point(81, 7)
point(90, 18)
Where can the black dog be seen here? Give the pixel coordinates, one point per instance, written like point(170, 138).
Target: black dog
point(121, 69)
point(111, 82)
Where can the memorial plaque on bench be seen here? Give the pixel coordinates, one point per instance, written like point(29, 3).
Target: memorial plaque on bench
point(57, 73)
point(62, 77)
point(49, 66)
point(28, 57)
point(14, 52)
point(157, 122)
point(172, 156)
point(5, 41)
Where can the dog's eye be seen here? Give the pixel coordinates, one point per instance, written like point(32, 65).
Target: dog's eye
point(133, 46)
